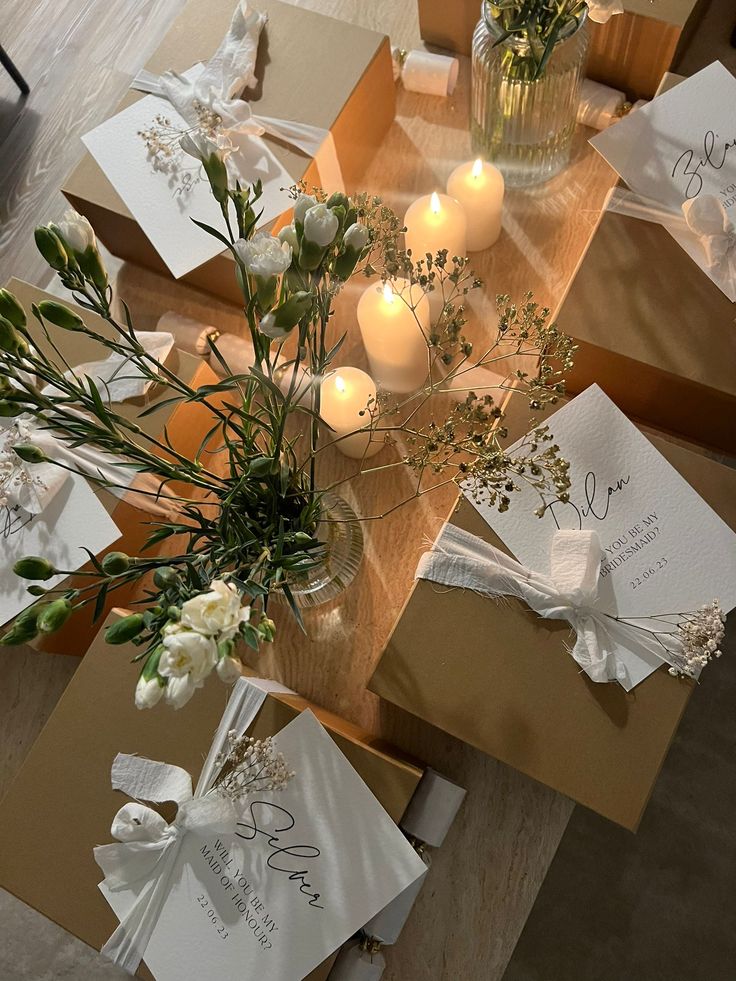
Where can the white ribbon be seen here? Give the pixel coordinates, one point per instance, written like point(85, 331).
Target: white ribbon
point(148, 846)
point(569, 592)
point(703, 229)
point(33, 486)
point(219, 87)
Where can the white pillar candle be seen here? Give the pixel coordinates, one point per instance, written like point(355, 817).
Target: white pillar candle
point(347, 399)
point(394, 325)
point(434, 222)
point(478, 187)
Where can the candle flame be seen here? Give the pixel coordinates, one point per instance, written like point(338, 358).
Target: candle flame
point(388, 293)
point(434, 203)
point(477, 168)
point(340, 383)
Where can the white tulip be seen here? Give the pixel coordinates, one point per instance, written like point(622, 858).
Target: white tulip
point(179, 690)
point(228, 669)
point(264, 255)
point(302, 205)
point(147, 693)
point(215, 612)
point(77, 231)
point(356, 237)
point(288, 234)
point(187, 653)
point(320, 225)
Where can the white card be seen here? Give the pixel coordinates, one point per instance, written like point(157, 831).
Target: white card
point(312, 864)
point(681, 145)
point(73, 519)
point(164, 206)
point(666, 550)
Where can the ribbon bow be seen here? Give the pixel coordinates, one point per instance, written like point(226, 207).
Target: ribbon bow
point(569, 592)
point(33, 486)
point(219, 87)
point(708, 220)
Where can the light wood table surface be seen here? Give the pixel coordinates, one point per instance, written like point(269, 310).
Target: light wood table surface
point(486, 877)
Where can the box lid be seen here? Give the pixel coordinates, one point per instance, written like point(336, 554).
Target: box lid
point(498, 677)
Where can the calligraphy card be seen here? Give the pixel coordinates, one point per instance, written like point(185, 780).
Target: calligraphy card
point(309, 865)
point(664, 550)
point(164, 201)
point(679, 147)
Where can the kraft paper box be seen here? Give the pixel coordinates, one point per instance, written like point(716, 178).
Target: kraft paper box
point(497, 676)
point(186, 426)
point(311, 68)
point(65, 780)
point(631, 52)
point(653, 330)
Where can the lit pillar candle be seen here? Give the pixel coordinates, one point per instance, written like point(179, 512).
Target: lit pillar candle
point(479, 189)
point(347, 398)
point(435, 222)
point(395, 335)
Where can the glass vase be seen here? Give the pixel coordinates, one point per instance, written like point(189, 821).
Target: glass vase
point(340, 529)
point(521, 123)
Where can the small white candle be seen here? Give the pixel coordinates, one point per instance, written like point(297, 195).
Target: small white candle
point(394, 325)
point(479, 189)
point(434, 222)
point(347, 398)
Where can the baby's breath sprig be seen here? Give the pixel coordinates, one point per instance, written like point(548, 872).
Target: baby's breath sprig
point(249, 766)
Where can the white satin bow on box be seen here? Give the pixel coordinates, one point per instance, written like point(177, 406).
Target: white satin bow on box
point(569, 592)
point(33, 486)
point(148, 846)
point(219, 87)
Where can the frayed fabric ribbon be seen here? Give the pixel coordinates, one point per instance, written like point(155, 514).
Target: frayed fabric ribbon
point(33, 486)
point(569, 592)
point(219, 87)
point(703, 229)
point(147, 845)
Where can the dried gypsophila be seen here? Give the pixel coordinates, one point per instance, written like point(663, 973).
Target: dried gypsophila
point(163, 139)
point(700, 635)
point(249, 765)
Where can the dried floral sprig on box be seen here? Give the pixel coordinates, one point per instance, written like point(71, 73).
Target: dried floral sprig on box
point(250, 766)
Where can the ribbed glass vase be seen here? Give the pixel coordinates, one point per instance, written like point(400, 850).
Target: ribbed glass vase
point(340, 529)
point(522, 124)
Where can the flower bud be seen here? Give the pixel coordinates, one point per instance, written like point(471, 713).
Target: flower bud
point(9, 410)
point(283, 319)
point(51, 248)
point(11, 309)
point(228, 669)
point(267, 629)
point(34, 567)
point(76, 232)
point(30, 453)
point(287, 235)
point(165, 577)
point(9, 337)
point(302, 205)
point(54, 616)
point(338, 200)
point(60, 315)
point(115, 563)
point(93, 268)
point(320, 225)
point(216, 170)
point(21, 632)
point(148, 692)
point(356, 237)
point(124, 629)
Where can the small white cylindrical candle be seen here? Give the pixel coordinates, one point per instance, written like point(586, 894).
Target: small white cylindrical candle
point(394, 324)
point(433, 222)
point(347, 398)
point(479, 187)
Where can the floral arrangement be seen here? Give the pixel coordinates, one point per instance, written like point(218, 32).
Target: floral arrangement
point(252, 523)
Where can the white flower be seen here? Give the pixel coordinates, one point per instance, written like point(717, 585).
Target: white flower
point(268, 327)
point(264, 255)
point(320, 225)
point(302, 205)
point(288, 234)
point(356, 237)
point(201, 147)
point(218, 611)
point(147, 693)
point(601, 11)
point(187, 653)
point(228, 669)
point(77, 231)
point(178, 691)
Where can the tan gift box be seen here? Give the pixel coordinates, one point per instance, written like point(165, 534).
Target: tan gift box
point(186, 426)
point(63, 788)
point(631, 52)
point(497, 676)
point(653, 330)
point(311, 68)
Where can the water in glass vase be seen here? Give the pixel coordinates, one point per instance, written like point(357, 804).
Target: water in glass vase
point(520, 121)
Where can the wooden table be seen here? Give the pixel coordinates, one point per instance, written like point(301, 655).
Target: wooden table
point(486, 877)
